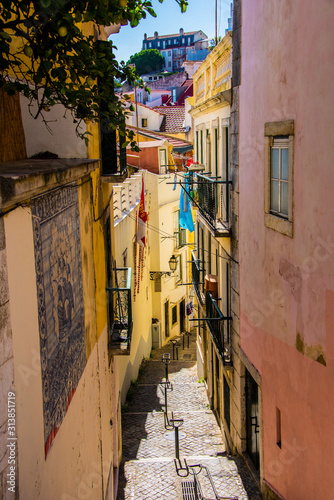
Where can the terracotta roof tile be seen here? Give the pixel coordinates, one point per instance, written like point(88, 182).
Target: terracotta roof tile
point(174, 118)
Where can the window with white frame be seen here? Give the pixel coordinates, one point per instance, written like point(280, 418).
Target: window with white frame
point(279, 152)
point(279, 176)
point(162, 161)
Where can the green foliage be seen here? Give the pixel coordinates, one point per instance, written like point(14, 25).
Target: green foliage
point(47, 55)
point(147, 61)
point(213, 43)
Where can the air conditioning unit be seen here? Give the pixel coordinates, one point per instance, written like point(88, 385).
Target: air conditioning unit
point(156, 339)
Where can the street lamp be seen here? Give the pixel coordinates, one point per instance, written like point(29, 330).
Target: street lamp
point(172, 266)
point(172, 263)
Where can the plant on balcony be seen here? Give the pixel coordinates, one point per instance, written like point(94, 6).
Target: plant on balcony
point(47, 55)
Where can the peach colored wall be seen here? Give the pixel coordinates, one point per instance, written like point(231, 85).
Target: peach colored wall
point(287, 284)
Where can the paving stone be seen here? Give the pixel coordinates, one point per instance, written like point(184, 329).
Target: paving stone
point(148, 467)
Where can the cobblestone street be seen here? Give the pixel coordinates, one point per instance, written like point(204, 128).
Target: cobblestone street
point(148, 469)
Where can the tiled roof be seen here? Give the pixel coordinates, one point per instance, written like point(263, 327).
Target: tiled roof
point(175, 141)
point(174, 118)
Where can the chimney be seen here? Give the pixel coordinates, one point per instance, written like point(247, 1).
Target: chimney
point(155, 34)
point(145, 36)
point(181, 32)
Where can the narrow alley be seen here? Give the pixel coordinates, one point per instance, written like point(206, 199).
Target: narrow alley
point(148, 469)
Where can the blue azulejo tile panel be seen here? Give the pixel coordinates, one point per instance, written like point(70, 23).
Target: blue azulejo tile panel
point(56, 229)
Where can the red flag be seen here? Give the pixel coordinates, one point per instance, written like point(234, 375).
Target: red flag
point(142, 218)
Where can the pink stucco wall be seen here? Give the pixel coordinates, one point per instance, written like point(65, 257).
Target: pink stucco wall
point(287, 284)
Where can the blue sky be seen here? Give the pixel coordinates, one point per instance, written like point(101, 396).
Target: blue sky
point(200, 15)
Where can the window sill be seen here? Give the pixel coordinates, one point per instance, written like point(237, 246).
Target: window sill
point(279, 224)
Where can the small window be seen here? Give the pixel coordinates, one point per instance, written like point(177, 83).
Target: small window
point(169, 53)
point(169, 64)
point(150, 44)
point(183, 40)
point(158, 43)
point(144, 122)
point(175, 41)
point(279, 140)
point(174, 315)
point(169, 42)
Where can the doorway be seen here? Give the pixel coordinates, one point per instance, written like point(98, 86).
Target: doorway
point(167, 318)
point(252, 420)
point(182, 315)
point(217, 387)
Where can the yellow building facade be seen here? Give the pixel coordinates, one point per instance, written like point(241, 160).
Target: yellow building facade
point(57, 262)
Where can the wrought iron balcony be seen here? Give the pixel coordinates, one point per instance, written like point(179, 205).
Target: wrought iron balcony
point(197, 277)
point(120, 312)
point(219, 327)
point(211, 196)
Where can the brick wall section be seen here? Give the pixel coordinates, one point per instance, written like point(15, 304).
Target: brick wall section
point(6, 367)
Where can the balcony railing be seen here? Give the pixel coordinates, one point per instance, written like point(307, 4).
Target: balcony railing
point(196, 277)
point(211, 196)
point(219, 327)
point(120, 312)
